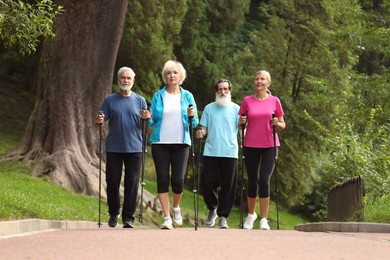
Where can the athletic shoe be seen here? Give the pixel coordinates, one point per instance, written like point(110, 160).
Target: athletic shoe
point(167, 223)
point(128, 223)
point(176, 216)
point(113, 220)
point(249, 220)
point(223, 223)
point(264, 224)
point(210, 221)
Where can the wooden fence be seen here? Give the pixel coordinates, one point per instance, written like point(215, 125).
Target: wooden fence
point(345, 200)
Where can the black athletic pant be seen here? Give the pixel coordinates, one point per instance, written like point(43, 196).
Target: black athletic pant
point(219, 183)
point(132, 163)
point(259, 163)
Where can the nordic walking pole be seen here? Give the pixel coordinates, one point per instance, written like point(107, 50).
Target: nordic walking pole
point(144, 151)
point(242, 176)
point(100, 167)
point(194, 190)
point(276, 176)
point(199, 171)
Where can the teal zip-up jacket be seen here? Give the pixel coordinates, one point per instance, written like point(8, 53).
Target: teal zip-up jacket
point(157, 109)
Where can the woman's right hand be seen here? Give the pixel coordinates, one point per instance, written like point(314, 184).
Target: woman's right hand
point(242, 121)
point(190, 111)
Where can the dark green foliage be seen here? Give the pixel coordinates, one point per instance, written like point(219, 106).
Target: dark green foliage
point(208, 49)
point(152, 29)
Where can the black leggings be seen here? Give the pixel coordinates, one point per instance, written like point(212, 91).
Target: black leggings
point(176, 156)
point(259, 163)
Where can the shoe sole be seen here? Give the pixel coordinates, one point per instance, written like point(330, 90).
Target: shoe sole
point(128, 226)
point(166, 227)
point(177, 224)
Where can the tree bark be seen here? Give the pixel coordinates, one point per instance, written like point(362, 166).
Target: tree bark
point(74, 74)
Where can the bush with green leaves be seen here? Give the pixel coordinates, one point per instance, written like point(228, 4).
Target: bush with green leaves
point(349, 151)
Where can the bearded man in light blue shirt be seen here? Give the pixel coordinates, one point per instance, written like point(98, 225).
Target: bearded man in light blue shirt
point(219, 123)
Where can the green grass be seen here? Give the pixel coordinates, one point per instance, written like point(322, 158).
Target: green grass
point(23, 196)
point(378, 211)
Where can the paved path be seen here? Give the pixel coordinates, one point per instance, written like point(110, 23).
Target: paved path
point(186, 243)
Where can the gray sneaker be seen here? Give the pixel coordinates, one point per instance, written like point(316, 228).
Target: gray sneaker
point(223, 223)
point(210, 222)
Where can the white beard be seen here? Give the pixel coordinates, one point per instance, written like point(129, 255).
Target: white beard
point(224, 100)
point(126, 87)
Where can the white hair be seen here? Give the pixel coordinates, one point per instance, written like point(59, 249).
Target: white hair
point(123, 69)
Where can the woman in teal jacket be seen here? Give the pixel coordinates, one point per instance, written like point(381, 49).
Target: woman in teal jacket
point(171, 108)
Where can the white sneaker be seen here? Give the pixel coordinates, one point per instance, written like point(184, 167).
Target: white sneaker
point(167, 223)
point(176, 217)
point(264, 224)
point(249, 220)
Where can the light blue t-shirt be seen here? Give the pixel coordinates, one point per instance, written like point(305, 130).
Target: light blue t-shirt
point(124, 117)
point(222, 129)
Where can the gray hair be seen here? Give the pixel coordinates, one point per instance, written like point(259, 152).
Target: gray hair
point(123, 69)
point(222, 81)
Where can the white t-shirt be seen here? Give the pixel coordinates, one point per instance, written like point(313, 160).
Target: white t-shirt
point(172, 129)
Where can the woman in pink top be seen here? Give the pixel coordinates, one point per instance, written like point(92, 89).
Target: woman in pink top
point(261, 111)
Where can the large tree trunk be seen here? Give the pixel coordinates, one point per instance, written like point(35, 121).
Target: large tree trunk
point(75, 73)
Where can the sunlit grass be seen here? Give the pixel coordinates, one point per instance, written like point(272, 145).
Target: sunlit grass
point(23, 196)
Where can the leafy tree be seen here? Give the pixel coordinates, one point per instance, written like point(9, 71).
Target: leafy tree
point(151, 30)
point(308, 47)
point(372, 89)
point(207, 47)
point(22, 25)
point(357, 143)
point(74, 75)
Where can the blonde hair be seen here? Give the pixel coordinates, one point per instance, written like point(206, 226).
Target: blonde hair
point(266, 73)
point(169, 64)
point(268, 76)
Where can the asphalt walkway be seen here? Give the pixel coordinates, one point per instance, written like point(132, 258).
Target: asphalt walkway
point(87, 241)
